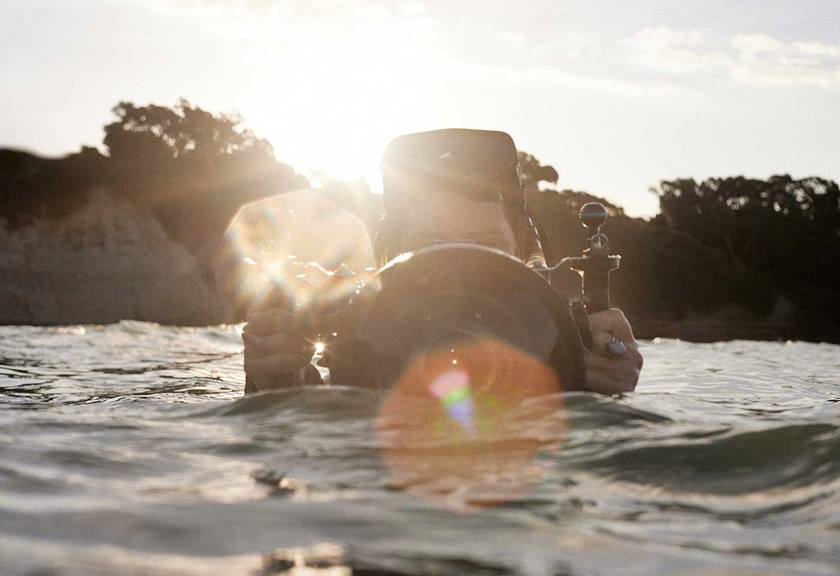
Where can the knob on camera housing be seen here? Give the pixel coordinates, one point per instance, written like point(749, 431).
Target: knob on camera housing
point(593, 215)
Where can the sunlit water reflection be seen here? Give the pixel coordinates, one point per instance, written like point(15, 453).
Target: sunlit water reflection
point(129, 449)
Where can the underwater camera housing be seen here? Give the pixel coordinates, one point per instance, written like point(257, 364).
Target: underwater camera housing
point(445, 298)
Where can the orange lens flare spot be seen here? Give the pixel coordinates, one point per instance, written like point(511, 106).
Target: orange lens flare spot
point(468, 434)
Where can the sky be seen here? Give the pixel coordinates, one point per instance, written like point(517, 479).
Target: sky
point(616, 95)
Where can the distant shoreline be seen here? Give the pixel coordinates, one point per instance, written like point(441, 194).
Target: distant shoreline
point(716, 331)
point(700, 332)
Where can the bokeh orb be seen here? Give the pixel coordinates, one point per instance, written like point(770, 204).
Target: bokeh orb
point(296, 250)
point(464, 424)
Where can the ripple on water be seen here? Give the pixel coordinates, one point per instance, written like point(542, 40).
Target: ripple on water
point(738, 463)
point(128, 449)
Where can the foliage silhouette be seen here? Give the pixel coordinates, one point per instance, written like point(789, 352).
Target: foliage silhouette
point(192, 168)
point(780, 237)
point(716, 244)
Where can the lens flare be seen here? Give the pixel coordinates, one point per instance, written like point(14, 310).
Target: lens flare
point(453, 390)
point(463, 425)
point(295, 250)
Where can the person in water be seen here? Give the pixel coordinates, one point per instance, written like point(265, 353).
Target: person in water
point(439, 187)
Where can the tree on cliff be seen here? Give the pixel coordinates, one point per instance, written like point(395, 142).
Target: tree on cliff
point(533, 172)
point(178, 132)
point(191, 168)
point(665, 274)
point(194, 169)
point(781, 236)
point(762, 226)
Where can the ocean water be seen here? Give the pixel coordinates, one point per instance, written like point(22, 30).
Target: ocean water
point(129, 449)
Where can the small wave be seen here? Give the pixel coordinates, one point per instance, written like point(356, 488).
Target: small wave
point(327, 402)
point(738, 463)
point(84, 460)
point(588, 410)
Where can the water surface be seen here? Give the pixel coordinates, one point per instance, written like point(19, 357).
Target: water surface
point(129, 449)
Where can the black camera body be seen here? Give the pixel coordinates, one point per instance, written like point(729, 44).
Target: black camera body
point(443, 299)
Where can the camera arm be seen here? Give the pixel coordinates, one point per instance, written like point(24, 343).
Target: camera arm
point(594, 266)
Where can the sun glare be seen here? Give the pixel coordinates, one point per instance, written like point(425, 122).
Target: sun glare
point(337, 97)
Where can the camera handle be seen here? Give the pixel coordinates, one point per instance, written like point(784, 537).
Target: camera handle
point(594, 266)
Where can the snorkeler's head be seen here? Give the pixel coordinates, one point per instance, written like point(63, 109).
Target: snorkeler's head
point(467, 175)
point(480, 165)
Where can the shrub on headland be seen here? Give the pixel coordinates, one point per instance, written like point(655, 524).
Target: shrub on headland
point(192, 169)
point(767, 248)
point(780, 238)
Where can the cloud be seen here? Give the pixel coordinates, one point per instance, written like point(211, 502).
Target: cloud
point(513, 39)
point(763, 60)
point(747, 58)
point(568, 59)
point(675, 51)
point(664, 38)
point(303, 8)
point(550, 75)
point(413, 8)
point(818, 49)
point(291, 11)
point(572, 44)
point(750, 47)
point(565, 45)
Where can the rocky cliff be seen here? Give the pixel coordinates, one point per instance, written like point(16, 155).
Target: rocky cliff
point(105, 262)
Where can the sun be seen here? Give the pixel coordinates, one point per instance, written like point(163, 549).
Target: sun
point(334, 99)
